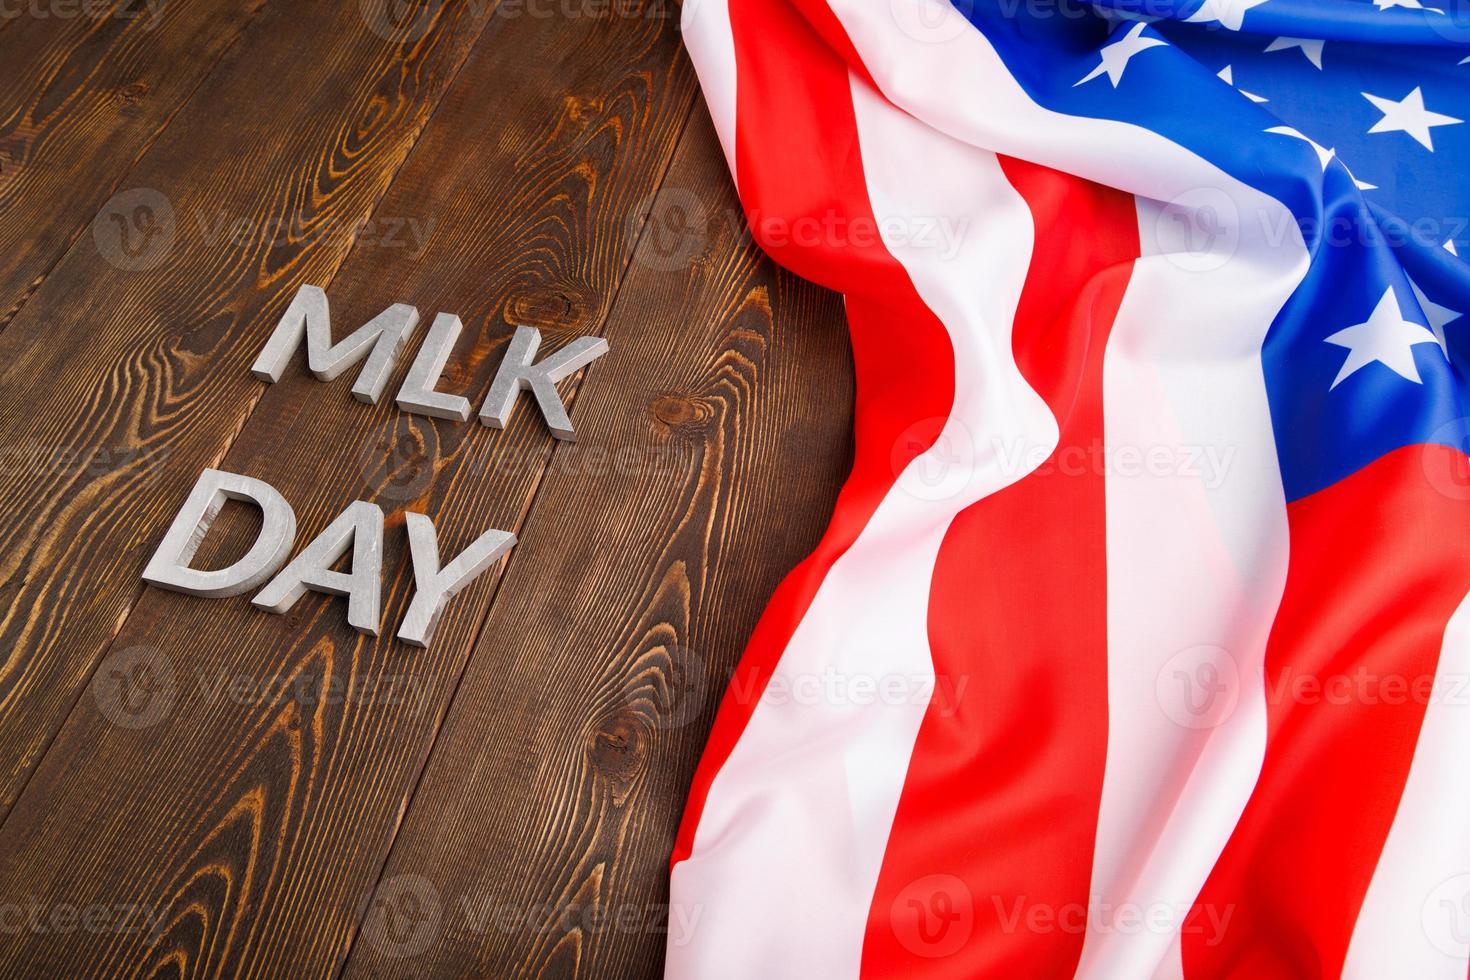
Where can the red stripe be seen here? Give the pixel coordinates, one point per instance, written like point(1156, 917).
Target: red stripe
point(999, 810)
point(1379, 563)
point(798, 159)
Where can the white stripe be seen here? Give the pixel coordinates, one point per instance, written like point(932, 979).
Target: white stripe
point(1415, 919)
point(786, 857)
point(1189, 566)
point(1197, 557)
point(999, 115)
point(705, 25)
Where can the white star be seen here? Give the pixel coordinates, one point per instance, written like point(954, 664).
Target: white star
point(1310, 47)
point(1409, 116)
point(1449, 246)
point(1411, 4)
point(1437, 316)
point(1465, 61)
point(1386, 338)
point(1230, 13)
point(1115, 56)
point(1228, 77)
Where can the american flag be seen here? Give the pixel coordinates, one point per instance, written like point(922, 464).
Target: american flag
point(1138, 644)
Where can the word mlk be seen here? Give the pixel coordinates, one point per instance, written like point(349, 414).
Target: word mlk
point(382, 338)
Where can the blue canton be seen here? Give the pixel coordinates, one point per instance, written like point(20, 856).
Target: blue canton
point(1355, 114)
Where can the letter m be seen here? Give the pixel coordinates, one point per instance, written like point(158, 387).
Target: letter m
point(379, 340)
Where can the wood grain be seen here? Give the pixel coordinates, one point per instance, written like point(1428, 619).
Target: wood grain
point(250, 819)
point(126, 373)
point(542, 830)
point(87, 90)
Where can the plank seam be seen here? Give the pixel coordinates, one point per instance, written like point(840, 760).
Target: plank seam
point(125, 172)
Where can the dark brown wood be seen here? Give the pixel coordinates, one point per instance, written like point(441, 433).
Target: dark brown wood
point(119, 381)
point(542, 829)
point(251, 817)
point(86, 91)
point(231, 793)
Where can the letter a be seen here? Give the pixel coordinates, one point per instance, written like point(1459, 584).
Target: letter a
point(359, 527)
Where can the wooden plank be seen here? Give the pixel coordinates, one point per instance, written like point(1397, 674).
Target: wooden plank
point(251, 814)
point(126, 373)
point(88, 88)
point(542, 829)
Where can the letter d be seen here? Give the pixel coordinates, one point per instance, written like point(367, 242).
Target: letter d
point(169, 566)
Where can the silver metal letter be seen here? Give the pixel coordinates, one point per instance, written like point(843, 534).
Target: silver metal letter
point(517, 374)
point(417, 394)
point(169, 566)
point(433, 586)
point(359, 527)
point(308, 316)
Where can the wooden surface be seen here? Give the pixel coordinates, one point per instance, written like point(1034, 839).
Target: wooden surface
point(191, 787)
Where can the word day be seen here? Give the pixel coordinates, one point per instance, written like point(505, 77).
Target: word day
point(359, 529)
